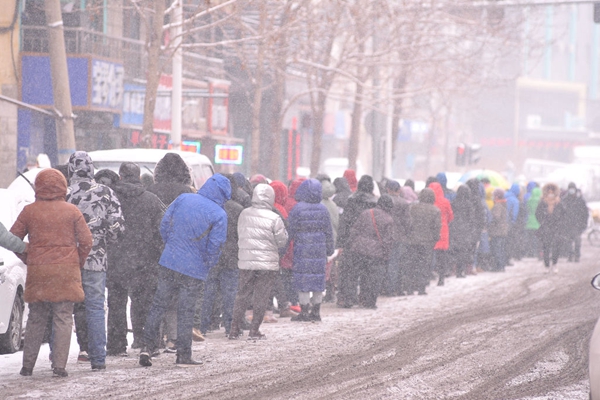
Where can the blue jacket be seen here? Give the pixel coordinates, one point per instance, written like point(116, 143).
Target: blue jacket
point(512, 202)
point(194, 228)
point(449, 194)
point(309, 226)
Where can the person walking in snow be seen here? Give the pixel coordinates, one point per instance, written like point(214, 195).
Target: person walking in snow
point(441, 255)
point(425, 233)
point(498, 231)
point(551, 215)
point(309, 227)
point(262, 235)
point(193, 229)
point(59, 244)
point(134, 268)
point(371, 241)
point(461, 228)
point(576, 221)
point(102, 212)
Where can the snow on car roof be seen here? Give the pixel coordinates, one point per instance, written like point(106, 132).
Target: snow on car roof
point(142, 155)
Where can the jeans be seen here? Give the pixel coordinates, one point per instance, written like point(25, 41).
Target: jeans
point(392, 284)
point(225, 280)
point(94, 287)
point(171, 283)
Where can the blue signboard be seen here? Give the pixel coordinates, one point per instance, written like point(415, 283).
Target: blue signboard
point(37, 82)
point(133, 105)
point(107, 85)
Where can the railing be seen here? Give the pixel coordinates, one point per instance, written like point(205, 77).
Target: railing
point(130, 52)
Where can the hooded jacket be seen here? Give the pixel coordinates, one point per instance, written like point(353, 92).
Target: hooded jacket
point(500, 221)
point(373, 233)
point(171, 178)
point(290, 202)
point(462, 226)
point(310, 230)
point(360, 201)
point(478, 207)
point(59, 242)
point(281, 194)
point(342, 192)
point(426, 219)
point(334, 213)
point(261, 232)
point(577, 213)
point(532, 204)
point(446, 214)
point(195, 227)
point(550, 213)
point(443, 180)
point(512, 202)
point(141, 243)
point(99, 206)
point(350, 176)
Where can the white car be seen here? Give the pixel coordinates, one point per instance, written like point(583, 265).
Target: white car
point(12, 282)
point(200, 166)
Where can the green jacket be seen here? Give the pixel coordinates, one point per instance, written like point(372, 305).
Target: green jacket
point(532, 203)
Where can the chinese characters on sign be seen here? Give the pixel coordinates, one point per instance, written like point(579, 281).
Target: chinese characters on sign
point(107, 84)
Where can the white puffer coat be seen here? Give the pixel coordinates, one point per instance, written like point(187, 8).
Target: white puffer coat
point(261, 233)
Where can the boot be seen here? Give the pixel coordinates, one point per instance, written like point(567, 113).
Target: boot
point(303, 316)
point(315, 313)
point(269, 318)
point(286, 312)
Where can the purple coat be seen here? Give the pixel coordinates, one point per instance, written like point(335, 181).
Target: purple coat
point(309, 227)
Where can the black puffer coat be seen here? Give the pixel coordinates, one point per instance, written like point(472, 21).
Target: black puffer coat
point(463, 225)
point(172, 178)
point(360, 201)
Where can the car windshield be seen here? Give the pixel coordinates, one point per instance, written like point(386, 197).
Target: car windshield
point(145, 167)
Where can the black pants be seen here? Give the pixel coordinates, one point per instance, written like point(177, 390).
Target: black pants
point(371, 272)
point(573, 246)
point(551, 249)
point(349, 277)
point(419, 259)
point(254, 288)
point(462, 257)
point(140, 286)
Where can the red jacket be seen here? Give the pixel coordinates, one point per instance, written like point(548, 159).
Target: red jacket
point(447, 216)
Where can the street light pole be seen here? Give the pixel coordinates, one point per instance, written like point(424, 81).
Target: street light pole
point(177, 62)
point(65, 131)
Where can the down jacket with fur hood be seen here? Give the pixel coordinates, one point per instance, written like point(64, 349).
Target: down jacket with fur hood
point(261, 232)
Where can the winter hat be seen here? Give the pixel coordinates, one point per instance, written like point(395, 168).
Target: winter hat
point(385, 202)
point(427, 196)
point(323, 177)
point(129, 172)
point(430, 180)
point(350, 176)
point(392, 186)
point(572, 185)
point(365, 184)
point(106, 177)
point(258, 178)
point(171, 168)
point(498, 194)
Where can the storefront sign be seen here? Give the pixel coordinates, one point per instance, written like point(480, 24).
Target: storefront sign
point(227, 154)
point(107, 84)
point(192, 146)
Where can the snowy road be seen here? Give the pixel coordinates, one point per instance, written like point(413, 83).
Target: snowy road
point(521, 334)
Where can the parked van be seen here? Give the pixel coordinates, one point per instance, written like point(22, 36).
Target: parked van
point(200, 166)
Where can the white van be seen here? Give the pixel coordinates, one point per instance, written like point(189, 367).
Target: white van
point(200, 166)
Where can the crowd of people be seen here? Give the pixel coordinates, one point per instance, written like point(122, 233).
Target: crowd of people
point(238, 250)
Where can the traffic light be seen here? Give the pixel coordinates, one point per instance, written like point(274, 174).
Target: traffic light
point(474, 154)
point(461, 154)
point(597, 13)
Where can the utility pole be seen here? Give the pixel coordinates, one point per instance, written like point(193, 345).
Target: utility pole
point(65, 132)
point(177, 77)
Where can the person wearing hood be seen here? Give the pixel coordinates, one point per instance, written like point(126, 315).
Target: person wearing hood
point(441, 259)
point(394, 278)
point(133, 260)
point(360, 201)
point(513, 208)
point(224, 276)
point(449, 194)
point(171, 179)
point(409, 194)
point(193, 230)
point(262, 235)
point(498, 231)
point(59, 243)
point(334, 215)
point(479, 222)
point(551, 215)
point(290, 202)
point(576, 221)
point(425, 233)
point(102, 211)
point(310, 230)
point(342, 193)
point(461, 229)
point(532, 225)
point(372, 238)
point(350, 177)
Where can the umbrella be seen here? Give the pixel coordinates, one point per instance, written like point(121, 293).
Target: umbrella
point(496, 179)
